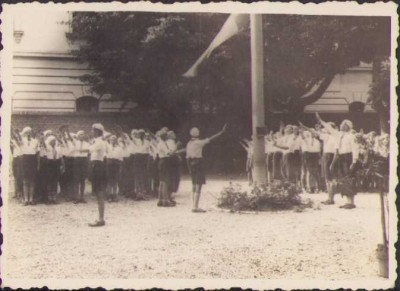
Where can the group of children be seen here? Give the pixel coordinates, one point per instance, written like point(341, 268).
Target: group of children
point(137, 165)
point(142, 164)
point(316, 158)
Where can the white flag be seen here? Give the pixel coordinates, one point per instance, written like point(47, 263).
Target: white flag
point(234, 24)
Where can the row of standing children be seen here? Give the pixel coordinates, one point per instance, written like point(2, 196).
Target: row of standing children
point(44, 162)
point(315, 158)
point(137, 165)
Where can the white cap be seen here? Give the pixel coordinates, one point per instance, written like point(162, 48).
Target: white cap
point(47, 132)
point(348, 123)
point(133, 131)
point(73, 135)
point(25, 130)
point(80, 132)
point(98, 126)
point(195, 132)
point(50, 138)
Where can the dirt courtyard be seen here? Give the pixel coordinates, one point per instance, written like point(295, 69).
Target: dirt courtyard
point(142, 240)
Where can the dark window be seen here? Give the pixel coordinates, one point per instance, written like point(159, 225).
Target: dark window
point(87, 104)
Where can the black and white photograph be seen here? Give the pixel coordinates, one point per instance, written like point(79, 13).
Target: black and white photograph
point(186, 145)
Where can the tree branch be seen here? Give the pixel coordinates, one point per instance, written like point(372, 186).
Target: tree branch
point(314, 96)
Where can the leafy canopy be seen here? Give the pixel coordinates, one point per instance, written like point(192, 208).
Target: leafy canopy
point(141, 56)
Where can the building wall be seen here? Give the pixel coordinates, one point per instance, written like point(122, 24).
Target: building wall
point(44, 82)
point(45, 74)
point(345, 89)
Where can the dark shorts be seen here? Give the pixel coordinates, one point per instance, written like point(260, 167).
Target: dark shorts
point(175, 174)
point(52, 171)
point(327, 161)
point(311, 160)
point(164, 170)
point(249, 164)
point(69, 168)
point(346, 181)
point(80, 168)
point(295, 160)
point(29, 167)
point(99, 177)
point(152, 167)
point(17, 167)
point(277, 165)
point(269, 161)
point(140, 164)
point(113, 169)
point(196, 169)
point(344, 163)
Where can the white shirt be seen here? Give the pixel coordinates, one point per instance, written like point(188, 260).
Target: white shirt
point(285, 141)
point(124, 150)
point(53, 153)
point(98, 149)
point(163, 149)
point(16, 149)
point(42, 150)
point(172, 145)
point(194, 148)
point(78, 146)
point(348, 144)
point(153, 148)
point(269, 147)
point(69, 148)
point(132, 147)
point(295, 143)
point(331, 143)
point(141, 146)
point(29, 147)
point(310, 145)
point(115, 152)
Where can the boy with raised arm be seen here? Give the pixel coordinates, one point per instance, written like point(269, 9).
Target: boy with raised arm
point(194, 156)
point(346, 155)
point(97, 151)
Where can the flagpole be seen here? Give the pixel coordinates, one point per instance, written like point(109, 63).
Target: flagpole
point(257, 88)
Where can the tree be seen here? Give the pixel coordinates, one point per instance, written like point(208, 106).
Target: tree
point(379, 93)
point(141, 57)
point(306, 52)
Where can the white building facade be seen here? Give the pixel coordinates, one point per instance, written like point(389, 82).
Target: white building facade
point(45, 74)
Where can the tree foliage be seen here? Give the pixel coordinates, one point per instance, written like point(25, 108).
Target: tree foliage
point(141, 57)
point(379, 93)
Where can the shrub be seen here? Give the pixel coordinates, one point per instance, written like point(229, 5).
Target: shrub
point(279, 196)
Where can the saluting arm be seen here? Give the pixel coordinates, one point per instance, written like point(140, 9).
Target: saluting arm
point(312, 130)
point(326, 125)
point(218, 134)
point(244, 146)
point(281, 147)
point(181, 151)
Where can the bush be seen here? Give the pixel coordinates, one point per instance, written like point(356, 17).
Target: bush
point(260, 197)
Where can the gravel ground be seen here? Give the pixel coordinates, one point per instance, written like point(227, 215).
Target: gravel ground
point(142, 240)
